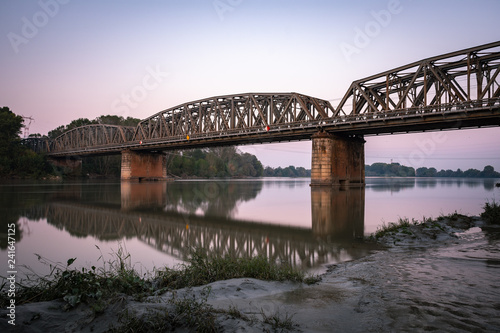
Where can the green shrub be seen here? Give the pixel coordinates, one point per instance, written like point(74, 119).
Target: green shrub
point(491, 213)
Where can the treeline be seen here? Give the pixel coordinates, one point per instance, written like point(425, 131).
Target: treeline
point(214, 162)
point(108, 120)
point(17, 161)
point(488, 172)
point(398, 170)
point(289, 171)
point(389, 170)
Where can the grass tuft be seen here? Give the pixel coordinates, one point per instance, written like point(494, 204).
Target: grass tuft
point(491, 213)
point(203, 268)
point(394, 227)
point(279, 322)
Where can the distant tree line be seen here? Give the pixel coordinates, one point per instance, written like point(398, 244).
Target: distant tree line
point(389, 170)
point(397, 170)
point(289, 171)
point(488, 172)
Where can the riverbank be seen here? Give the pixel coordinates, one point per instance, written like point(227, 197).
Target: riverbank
point(437, 275)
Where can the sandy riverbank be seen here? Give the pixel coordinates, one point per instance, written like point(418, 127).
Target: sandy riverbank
point(417, 284)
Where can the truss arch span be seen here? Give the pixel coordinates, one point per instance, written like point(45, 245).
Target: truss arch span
point(233, 114)
point(93, 136)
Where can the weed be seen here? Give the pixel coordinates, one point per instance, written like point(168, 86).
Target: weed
point(75, 286)
point(235, 313)
point(392, 227)
point(99, 287)
point(312, 279)
point(153, 321)
point(491, 213)
point(277, 322)
point(186, 312)
point(203, 268)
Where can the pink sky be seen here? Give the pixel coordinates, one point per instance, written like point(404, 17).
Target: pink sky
point(61, 60)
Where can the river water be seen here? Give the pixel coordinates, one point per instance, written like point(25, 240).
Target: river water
point(157, 223)
point(451, 286)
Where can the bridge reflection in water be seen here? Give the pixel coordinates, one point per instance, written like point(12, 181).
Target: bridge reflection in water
point(174, 217)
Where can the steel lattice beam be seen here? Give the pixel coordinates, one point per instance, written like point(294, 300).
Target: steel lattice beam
point(93, 136)
point(445, 79)
point(232, 113)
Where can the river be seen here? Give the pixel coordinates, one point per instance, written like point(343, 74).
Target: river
point(158, 223)
point(448, 286)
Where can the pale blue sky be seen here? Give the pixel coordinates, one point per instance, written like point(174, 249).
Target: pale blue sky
point(66, 59)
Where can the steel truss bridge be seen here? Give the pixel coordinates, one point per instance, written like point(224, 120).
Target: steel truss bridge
point(451, 91)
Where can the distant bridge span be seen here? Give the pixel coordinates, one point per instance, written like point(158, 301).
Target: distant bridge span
point(451, 91)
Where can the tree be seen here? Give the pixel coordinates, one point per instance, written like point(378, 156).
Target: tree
point(10, 129)
point(472, 173)
point(15, 159)
point(489, 172)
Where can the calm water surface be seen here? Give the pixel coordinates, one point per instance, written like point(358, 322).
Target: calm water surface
point(157, 223)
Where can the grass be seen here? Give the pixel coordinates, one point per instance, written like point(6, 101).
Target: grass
point(203, 268)
point(278, 322)
point(91, 286)
point(393, 227)
point(100, 287)
point(404, 225)
point(491, 213)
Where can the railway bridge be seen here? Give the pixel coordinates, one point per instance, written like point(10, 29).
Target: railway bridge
point(456, 90)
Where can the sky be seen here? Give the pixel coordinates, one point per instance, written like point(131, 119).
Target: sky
point(62, 60)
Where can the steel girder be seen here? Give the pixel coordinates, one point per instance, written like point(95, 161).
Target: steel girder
point(232, 114)
point(38, 145)
point(453, 78)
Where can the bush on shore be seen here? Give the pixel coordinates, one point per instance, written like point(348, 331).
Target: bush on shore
point(491, 213)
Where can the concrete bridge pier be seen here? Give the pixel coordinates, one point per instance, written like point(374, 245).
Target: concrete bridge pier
point(337, 160)
point(143, 165)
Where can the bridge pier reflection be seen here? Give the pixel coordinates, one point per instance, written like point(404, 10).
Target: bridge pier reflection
point(338, 214)
point(143, 195)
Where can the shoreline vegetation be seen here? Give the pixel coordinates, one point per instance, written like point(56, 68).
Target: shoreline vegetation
point(99, 290)
point(116, 298)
